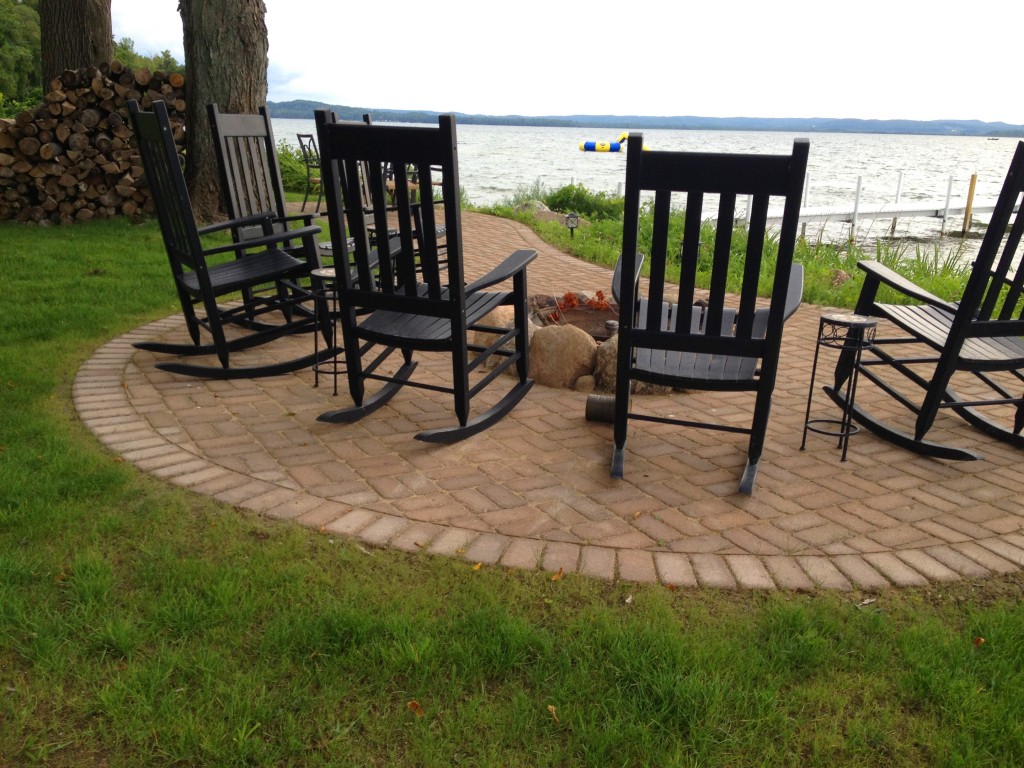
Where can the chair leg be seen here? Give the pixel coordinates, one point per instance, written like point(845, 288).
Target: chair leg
point(460, 383)
point(932, 399)
point(189, 313)
point(306, 196)
point(749, 475)
point(620, 430)
point(217, 331)
point(522, 321)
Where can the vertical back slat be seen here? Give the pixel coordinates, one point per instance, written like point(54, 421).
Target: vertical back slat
point(689, 253)
point(1011, 255)
point(404, 198)
point(720, 263)
point(427, 229)
point(659, 255)
point(752, 265)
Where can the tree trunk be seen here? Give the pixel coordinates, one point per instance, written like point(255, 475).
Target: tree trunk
point(74, 34)
point(226, 58)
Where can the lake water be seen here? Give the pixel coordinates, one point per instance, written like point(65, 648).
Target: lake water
point(496, 161)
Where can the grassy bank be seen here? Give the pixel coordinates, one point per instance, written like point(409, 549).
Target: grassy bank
point(141, 625)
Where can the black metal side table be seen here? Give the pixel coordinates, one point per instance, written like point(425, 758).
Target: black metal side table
point(843, 331)
point(325, 298)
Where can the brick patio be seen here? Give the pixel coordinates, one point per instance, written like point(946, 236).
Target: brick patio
point(534, 491)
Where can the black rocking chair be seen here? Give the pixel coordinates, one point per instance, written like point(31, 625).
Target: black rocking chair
point(978, 339)
point(257, 268)
point(706, 340)
point(415, 300)
point(311, 159)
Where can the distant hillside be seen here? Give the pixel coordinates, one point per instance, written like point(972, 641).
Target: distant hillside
point(303, 110)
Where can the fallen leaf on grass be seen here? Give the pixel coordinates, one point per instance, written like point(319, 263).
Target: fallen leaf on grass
point(478, 566)
point(554, 713)
point(415, 707)
point(560, 574)
point(979, 641)
point(671, 587)
point(629, 600)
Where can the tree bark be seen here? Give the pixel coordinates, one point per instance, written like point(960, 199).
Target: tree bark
point(74, 34)
point(226, 58)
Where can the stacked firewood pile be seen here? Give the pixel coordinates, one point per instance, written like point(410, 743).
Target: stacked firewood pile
point(71, 158)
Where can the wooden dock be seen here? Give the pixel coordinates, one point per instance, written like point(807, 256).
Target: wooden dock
point(959, 210)
point(935, 210)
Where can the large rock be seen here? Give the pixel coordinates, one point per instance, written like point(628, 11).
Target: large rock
point(499, 317)
point(604, 371)
point(560, 354)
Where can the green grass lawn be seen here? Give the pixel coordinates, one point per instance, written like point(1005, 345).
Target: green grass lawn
point(142, 625)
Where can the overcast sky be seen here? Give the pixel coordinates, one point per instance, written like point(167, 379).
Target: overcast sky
point(743, 58)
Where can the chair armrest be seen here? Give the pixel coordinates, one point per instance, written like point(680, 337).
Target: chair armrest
point(261, 219)
point(617, 277)
point(879, 273)
point(508, 268)
point(795, 294)
point(306, 218)
point(270, 239)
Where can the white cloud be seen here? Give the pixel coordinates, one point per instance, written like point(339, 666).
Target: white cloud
point(790, 58)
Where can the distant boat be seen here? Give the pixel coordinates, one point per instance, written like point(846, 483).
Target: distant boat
point(993, 138)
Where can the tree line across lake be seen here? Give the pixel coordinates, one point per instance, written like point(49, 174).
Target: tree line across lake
point(301, 109)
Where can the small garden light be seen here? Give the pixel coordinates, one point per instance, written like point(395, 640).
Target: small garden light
point(572, 220)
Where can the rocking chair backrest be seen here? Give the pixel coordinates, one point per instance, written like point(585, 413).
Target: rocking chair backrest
point(310, 154)
point(394, 163)
point(166, 182)
point(732, 323)
point(250, 175)
point(995, 288)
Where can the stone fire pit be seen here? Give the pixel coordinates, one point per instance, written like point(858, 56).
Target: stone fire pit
point(569, 342)
point(593, 314)
point(573, 341)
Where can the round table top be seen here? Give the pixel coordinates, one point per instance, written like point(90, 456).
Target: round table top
point(849, 320)
point(324, 273)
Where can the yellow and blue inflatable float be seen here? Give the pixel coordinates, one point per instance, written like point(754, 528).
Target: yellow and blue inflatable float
point(605, 146)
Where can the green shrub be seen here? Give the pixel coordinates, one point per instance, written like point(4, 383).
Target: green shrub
point(293, 168)
point(11, 107)
point(575, 198)
point(524, 194)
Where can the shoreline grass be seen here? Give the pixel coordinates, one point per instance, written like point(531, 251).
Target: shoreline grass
point(143, 625)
